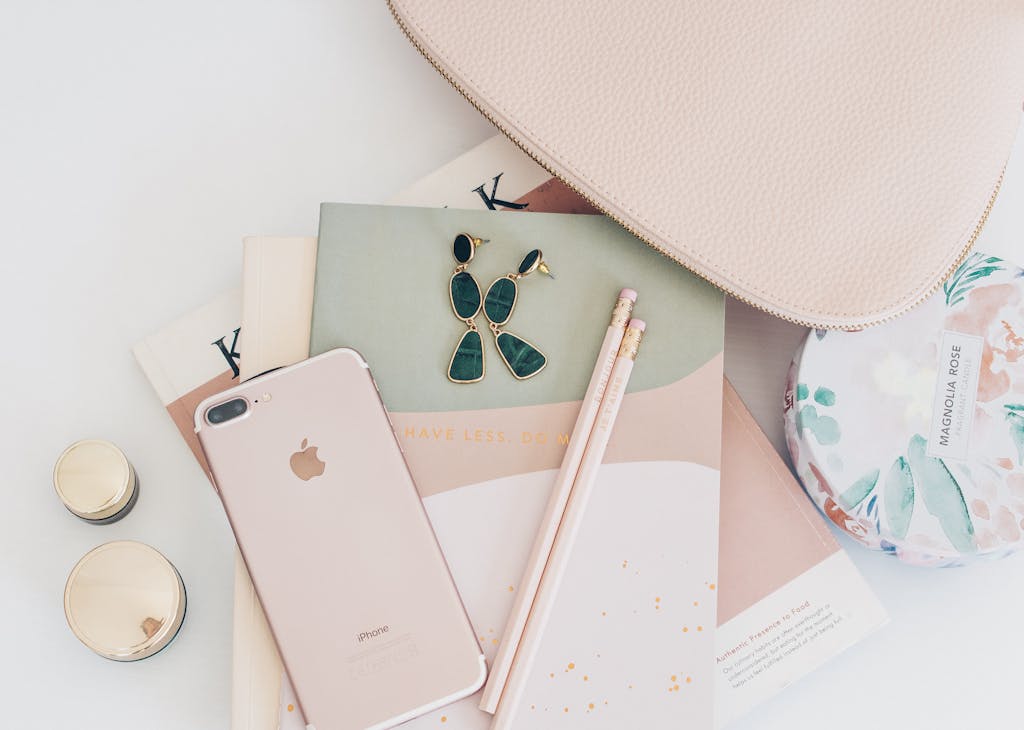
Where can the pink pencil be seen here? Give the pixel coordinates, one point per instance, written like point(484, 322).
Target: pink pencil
point(565, 537)
point(527, 589)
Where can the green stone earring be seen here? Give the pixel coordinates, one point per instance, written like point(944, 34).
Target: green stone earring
point(522, 358)
point(467, 363)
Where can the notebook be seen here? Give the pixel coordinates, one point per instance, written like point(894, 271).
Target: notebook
point(484, 456)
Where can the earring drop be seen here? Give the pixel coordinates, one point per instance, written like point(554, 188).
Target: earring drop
point(522, 358)
point(467, 363)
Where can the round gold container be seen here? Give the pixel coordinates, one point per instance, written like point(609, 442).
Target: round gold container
point(95, 481)
point(124, 600)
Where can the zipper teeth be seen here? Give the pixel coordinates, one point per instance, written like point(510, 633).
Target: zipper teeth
point(512, 137)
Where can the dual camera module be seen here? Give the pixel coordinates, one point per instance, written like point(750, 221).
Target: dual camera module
point(229, 410)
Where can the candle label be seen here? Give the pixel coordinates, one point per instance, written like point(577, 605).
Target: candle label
point(956, 390)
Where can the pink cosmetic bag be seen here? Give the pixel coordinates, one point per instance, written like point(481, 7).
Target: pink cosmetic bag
point(828, 162)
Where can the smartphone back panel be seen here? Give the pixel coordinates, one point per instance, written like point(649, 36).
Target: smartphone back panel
point(346, 565)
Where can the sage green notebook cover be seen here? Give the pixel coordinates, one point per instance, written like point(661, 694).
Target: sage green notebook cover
point(382, 288)
point(484, 455)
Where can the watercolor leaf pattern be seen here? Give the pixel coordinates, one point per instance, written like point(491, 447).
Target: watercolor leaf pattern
point(824, 396)
point(825, 428)
point(1015, 417)
point(899, 498)
point(942, 496)
point(873, 506)
point(859, 490)
point(976, 266)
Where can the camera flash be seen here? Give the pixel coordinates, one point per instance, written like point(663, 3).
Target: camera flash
point(265, 397)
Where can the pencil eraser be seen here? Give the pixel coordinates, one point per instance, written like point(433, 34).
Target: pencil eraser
point(637, 324)
point(628, 294)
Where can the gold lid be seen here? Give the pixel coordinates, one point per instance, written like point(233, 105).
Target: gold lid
point(94, 479)
point(124, 600)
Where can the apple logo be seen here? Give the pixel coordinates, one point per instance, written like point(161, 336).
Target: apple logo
point(305, 463)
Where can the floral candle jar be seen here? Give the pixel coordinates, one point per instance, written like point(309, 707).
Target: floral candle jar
point(910, 435)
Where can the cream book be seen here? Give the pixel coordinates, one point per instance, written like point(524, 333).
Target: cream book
point(280, 329)
point(262, 696)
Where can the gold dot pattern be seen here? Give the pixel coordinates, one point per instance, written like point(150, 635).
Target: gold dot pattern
point(674, 609)
point(674, 679)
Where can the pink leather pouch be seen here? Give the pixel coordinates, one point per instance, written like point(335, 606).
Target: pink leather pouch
point(830, 163)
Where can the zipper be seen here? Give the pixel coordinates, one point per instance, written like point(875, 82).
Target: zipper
point(667, 253)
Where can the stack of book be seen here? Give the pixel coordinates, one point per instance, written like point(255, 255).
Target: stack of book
point(698, 543)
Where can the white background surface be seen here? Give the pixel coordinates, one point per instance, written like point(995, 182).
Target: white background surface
point(138, 143)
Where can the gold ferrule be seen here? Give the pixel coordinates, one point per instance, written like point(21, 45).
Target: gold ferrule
point(622, 312)
point(95, 481)
point(631, 342)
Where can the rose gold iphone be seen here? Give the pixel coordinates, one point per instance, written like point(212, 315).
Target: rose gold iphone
point(350, 575)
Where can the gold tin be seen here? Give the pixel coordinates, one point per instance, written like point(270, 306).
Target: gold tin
point(95, 481)
point(125, 601)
